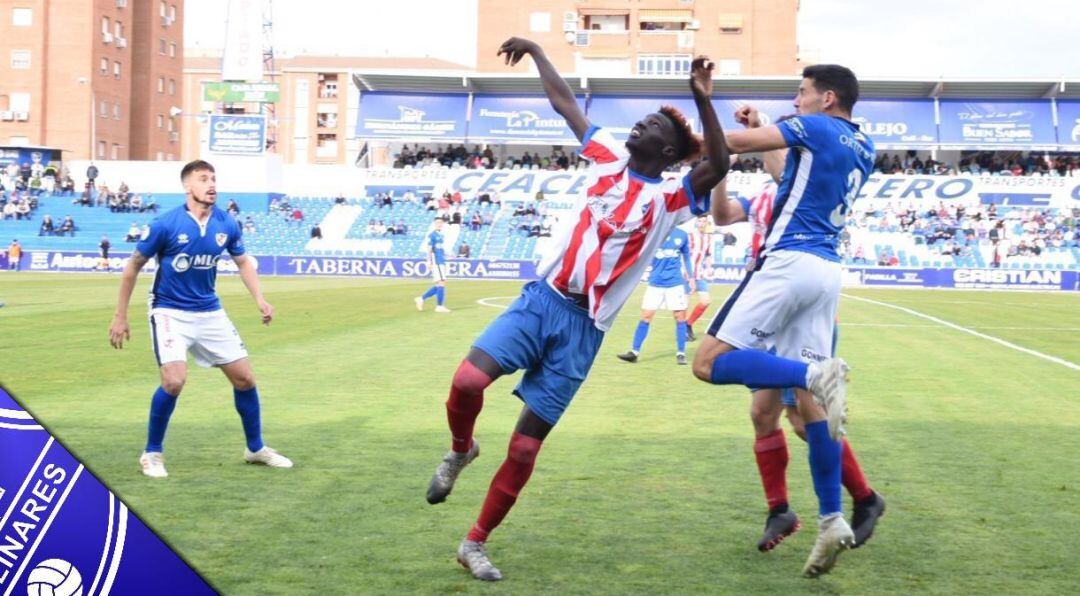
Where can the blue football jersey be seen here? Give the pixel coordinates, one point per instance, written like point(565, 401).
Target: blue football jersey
point(187, 255)
point(672, 256)
point(435, 242)
point(828, 162)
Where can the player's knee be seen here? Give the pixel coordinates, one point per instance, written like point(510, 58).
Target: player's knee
point(766, 419)
point(703, 365)
point(523, 449)
point(243, 381)
point(173, 385)
point(796, 421)
point(470, 379)
point(680, 315)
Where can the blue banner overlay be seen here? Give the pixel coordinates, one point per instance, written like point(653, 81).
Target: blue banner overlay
point(62, 532)
point(412, 115)
point(619, 114)
point(996, 124)
point(1068, 128)
point(237, 133)
point(897, 123)
point(520, 119)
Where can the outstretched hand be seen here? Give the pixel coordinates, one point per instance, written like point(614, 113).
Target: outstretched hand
point(515, 49)
point(748, 116)
point(701, 83)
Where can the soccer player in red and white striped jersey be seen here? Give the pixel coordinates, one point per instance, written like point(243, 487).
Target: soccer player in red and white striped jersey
point(554, 330)
point(701, 256)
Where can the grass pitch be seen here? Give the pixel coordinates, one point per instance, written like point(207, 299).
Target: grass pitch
point(648, 485)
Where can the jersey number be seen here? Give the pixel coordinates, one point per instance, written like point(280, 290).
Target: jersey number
point(854, 183)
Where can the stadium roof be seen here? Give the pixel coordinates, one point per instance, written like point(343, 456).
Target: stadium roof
point(443, 81)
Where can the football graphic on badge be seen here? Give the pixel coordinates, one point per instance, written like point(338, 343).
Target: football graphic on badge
point(56, 577)
point(221, 237)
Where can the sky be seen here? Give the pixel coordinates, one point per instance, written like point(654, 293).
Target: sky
point(924, 39)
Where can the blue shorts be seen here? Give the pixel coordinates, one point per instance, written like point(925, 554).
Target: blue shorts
point(549, 337)
point(686, 287)
point(700, 285)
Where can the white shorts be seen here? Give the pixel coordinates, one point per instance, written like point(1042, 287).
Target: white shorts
point(788, 305)
point(209, 336)
point(438, 272)
point(664, 298)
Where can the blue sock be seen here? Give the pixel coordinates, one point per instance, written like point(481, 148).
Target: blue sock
point(440, 295)
point(825, 455)
point(247, 405)
point(680, 337)
point(639, 334)
point(161, 408)
point(433, 290)
point(757, 368)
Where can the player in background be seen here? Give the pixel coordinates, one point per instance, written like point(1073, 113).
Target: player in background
point(701, 259)
point(775, 330)
point(554, 329)
point(671, 268)
point(186, 315)
point(766, 406)
point(437, 262)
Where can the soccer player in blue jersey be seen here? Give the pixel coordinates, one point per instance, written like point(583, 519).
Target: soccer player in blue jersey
point(775, 330)
point(185, 314)
point(437, 262)
point(671, 268)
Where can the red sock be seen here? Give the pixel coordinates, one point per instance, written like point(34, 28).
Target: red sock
point(698, 311)
point(852, 475)
point(508, 482)
point(771, 453)
point(466, 400)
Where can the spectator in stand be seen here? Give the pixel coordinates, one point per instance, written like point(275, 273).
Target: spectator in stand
point(104, 247)
point(91, 174)
point(455, 218)
point(67, 187)
point(316, 232)
point(401, 228)
point(22, 210)
point(47, 227)
point(339, 200)
point(249, 225)
point(14, 255)
point(475, 221)
point(68, 226)
point(133, 233)
point(233, 208)
point(136, 203)
point(10, 210)
point(297, 216)
point(464, 251)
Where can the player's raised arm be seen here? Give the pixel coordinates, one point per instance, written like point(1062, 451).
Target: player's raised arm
point(558, 92)
point(711, 171)
point(749, 117)
point(726, 211)
point(119, 331)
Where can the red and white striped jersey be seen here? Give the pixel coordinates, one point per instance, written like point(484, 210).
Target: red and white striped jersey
point(701, 250)
point(759, 215)
point(621, 216)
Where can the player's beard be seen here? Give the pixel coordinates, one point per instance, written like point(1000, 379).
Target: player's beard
point(202, 200)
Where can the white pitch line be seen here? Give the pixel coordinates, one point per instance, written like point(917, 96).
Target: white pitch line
point(487, 301)
point(945, 323)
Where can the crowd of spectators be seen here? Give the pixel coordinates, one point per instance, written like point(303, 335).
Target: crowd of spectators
point(483, 158)
point(980, 163)
point(960, 230)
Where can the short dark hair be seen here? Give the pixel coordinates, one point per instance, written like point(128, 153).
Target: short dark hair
point(193, 166)
point(838, 79)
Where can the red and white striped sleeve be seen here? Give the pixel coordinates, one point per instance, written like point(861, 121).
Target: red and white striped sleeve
point(600, 148)
point(682, 200)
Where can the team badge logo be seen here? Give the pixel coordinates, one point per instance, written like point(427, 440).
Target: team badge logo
point(182, 238)
point(221, 238)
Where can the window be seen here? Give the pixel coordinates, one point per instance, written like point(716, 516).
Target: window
point(160, 156)
point(540, 22)
point(103, 111)
point(161, 85)
point(101, 149)
point(730, 22)
point(19, 102)
point(172, 50)
point(22, 17)
point(169, 156)
point(116, 111)
point(607, 23)
point(116, 70)
point(328, 86)
point(115, 151)
point(164, 10)
point(160, 121)
point(105, 25)
point(118, 29)
point(172, 87)
point(20, 59)
point(663, 64)
point(326, 145)
point(326, 120)
point(105, 66)
point(161, 47)
point(172, 13)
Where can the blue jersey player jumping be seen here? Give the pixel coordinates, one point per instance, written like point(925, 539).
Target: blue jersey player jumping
point(186, 316)
point(776, 328)
point(437, 262)
point(671, 270)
